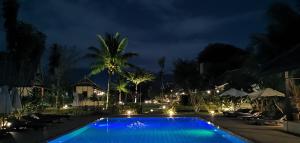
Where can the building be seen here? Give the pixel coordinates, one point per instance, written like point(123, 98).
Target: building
point(86, 88)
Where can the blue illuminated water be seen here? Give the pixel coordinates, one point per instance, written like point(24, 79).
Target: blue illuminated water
point(149, 130)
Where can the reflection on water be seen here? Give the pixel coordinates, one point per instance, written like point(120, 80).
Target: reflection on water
point(136, 125)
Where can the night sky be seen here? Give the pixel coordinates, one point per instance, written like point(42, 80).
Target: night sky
point(155, 28)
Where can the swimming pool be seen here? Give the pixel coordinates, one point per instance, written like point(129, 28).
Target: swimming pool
point(149, 130)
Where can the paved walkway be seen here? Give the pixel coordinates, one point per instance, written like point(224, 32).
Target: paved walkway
point(254, 133)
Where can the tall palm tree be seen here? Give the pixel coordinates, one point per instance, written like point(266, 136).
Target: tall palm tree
point(110, 57)
point(121, 87)
point(137, 77)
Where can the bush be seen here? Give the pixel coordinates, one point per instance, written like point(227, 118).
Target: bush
point(184, 100)
point(204, 102)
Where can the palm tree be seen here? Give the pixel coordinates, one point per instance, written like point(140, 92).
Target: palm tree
point(121, 87)
point(110, 57)
point(137, 77)
point(161, 63)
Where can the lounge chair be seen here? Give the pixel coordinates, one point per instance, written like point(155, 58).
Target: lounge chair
point(52, 117)
point(18, 124)
point(35, 122)
point(249, 116)
point(268, 120)
point(3, 132)
point(239, 112)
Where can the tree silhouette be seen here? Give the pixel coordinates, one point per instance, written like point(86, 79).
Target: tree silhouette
point(161, 63)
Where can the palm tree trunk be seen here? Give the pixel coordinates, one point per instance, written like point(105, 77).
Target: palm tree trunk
point(107, 92)
point(162, 85)
point(136, 92)
point(120, 96)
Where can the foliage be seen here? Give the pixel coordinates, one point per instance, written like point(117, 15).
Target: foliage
point(122, 109)
point(218, 58)
point(202, 101)
point(110, 56)
point(281, 36)
point(121, 87)
point(184, 100)
point(139, 76)
point(186, 74)
point(33, 103)
point(61, 62)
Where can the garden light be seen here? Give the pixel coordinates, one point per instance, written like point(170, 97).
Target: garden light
point(8, 124)
point(128, 112)
point(148, 101)
point(171, 112)
point(65, 106)
point(208, 91)
point(212, 112)
point(121, 103)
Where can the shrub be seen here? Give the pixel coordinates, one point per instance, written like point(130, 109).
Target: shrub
point(184, 100)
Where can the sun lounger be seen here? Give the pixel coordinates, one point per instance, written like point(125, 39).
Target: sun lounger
point(268, 121)
point(3, 132)
point(18, 124)
point(252, 115)
point(52, 117)
point(239, 112)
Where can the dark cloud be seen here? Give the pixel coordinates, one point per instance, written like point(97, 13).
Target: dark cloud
point(155, 28)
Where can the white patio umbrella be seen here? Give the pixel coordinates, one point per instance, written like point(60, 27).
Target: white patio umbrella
point(16, 99)
point(268, 92)
point(76, 99)
point(5, 101)
point(265, 93)
point(234, 93)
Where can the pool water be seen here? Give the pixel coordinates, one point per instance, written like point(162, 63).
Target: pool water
point(149, 130)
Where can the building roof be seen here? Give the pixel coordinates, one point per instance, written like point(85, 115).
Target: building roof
point(87, 82)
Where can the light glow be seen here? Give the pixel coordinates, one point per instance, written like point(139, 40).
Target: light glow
point(65, 106)
point(212, 112)
point(129, 112)
point(171, 112)
point(208, 91)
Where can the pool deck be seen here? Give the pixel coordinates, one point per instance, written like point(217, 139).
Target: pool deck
point(49, 132)
point(254, 133)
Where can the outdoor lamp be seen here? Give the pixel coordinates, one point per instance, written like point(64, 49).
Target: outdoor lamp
point(208, 91)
